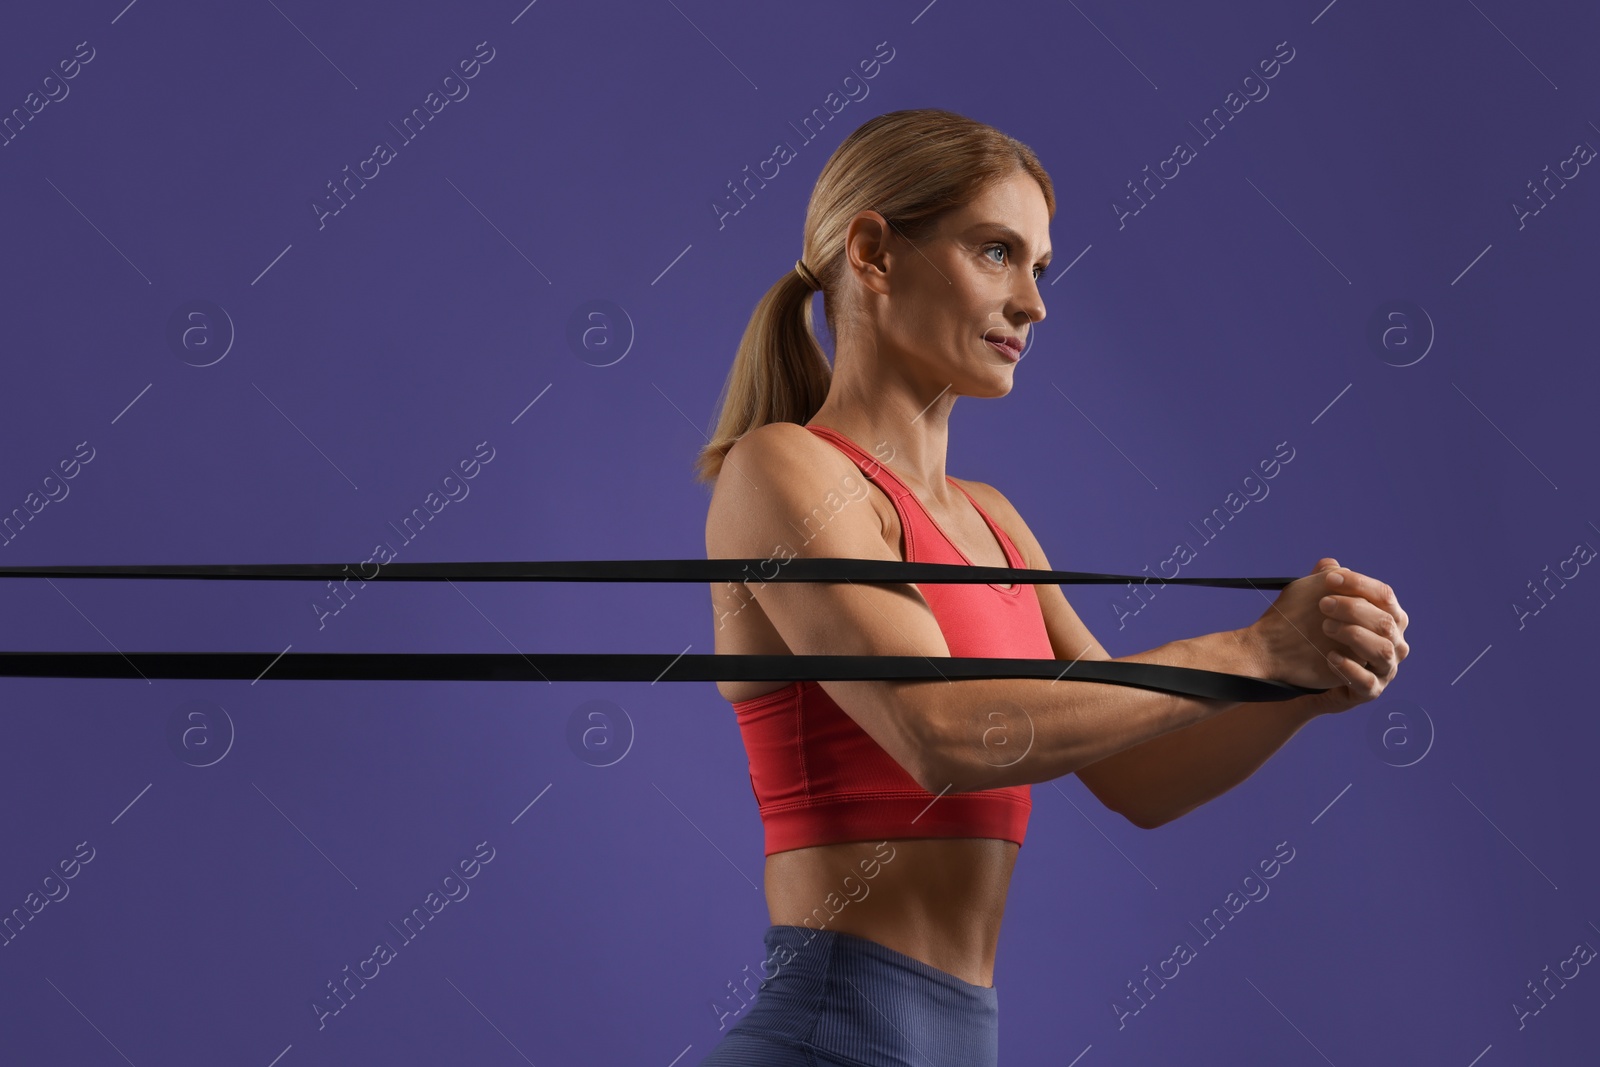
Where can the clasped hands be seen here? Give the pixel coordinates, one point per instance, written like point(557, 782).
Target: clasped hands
point(1334, 629)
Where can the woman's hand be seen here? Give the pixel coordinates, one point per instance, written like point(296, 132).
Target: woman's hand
point(1334, 629)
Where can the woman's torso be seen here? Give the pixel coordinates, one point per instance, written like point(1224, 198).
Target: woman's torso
point(941, 899)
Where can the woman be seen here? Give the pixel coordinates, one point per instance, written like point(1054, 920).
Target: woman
point(894, 810)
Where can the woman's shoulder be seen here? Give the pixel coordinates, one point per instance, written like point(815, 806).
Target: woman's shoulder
point(985, 494)
point(773, 481)
point(780, 444)
point(770, 432)
point(772, 463)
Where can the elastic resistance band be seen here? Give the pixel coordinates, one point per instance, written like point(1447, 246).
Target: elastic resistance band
point(807, 569)
point(589, 667)
point(628, 667)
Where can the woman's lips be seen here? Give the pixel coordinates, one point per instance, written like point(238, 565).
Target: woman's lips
point(1012, 354)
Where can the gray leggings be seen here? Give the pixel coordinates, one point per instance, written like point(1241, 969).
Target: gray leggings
point(838, 1000)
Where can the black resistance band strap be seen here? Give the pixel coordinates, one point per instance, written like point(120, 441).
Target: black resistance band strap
point(574, 667)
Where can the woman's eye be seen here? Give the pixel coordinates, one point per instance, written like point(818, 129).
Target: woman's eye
point(1038, 272)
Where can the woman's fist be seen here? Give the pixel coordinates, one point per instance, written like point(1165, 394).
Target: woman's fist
point(1334, 629)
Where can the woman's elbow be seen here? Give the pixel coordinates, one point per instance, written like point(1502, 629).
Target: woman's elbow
point(1144, 820)
point(1143, 815)
point(933, 774)
point(1148, 819)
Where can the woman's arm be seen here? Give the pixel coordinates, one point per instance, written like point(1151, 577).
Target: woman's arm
point(1159, 780)
point(1165, 777)
point(943, 733)
point(954, 735)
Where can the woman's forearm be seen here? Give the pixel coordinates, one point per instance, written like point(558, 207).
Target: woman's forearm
point(1169, 776)
point(989, 733)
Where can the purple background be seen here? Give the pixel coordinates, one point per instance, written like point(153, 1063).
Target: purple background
point(371, 355)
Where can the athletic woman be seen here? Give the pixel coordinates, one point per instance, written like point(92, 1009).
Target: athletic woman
point(894, 810)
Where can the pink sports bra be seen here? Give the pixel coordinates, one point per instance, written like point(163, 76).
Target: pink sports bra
point(818, 778)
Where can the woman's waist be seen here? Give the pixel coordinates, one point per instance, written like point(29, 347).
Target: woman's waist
point(938, 900)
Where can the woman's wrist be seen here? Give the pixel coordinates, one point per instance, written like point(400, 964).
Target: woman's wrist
point(1253, 660)
point(1251, 653)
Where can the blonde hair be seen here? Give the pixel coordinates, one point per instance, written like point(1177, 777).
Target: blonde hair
point(913, 167)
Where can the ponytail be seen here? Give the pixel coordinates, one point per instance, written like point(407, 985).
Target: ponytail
point(779, 374)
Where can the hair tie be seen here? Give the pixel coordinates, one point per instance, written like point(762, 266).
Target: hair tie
point(806, 275)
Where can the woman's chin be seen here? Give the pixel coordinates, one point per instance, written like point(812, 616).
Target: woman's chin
point(996, 383)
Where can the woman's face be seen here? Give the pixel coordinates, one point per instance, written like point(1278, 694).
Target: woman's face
point(972, 284)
